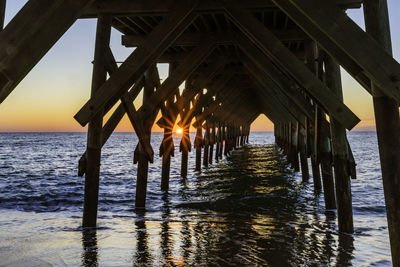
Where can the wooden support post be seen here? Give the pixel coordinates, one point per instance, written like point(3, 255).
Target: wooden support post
point(142, 173)
point(324, 145)
point(295, 146)
point(325, 157)
point(289, 144)
point(237, 140)
point(223, 140)
point(185, 147)
point(303, 154)
point(218, 142)
point(227, 140)
point(206, 143)
point(212, 142)
point(198, 144)
point(314, 143)
point(141, 155)
point(94, 139)
point(241, 136)
point(314, 154)
point(340, 153)
point(167, 145)
point(166, 149)
point(387, 126)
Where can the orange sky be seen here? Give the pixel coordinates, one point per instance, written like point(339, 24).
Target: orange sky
point(51, 94)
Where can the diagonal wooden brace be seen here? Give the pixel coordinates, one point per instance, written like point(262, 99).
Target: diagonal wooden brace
point(139, 61)
point(272, 46)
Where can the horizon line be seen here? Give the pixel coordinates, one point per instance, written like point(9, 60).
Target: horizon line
point(266, 131)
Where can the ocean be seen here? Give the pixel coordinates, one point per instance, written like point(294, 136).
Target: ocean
point(248, 209)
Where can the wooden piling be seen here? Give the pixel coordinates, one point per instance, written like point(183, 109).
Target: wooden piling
point(94, 138)
point(141, 155)
point(227, 140)
point(167, 145)
point(294, 149)
point(217, 142)
point(142, 175)
point(166, 151)
point(314, 154)
point(212, 142)
point(185, 147)
point(223, 141)
point(206, 142)
point(303, 151)
point(165, 168)
point(198, 144)
point(326, 167)
point(340, 153)
point(387, 126)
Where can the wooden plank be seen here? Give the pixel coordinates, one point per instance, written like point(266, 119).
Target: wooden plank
point(140, 60)
point(160, 7)
point(28, 37)
point(269, 44)
point(346, 35)
point(221, 38)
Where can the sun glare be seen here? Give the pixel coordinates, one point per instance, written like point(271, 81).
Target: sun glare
point(179, 131)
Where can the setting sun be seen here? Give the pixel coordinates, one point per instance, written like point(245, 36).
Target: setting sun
point(179, 131)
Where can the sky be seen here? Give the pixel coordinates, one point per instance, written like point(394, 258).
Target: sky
point(59, 85)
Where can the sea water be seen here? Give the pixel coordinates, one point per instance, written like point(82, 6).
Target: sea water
point(248, 209)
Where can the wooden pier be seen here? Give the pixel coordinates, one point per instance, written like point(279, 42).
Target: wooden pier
point(280, 58)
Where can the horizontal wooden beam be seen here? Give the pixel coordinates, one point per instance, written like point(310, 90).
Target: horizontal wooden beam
point(221, 38)
point(160, 7)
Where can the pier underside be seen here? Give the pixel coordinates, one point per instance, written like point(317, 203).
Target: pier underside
point(280, 58)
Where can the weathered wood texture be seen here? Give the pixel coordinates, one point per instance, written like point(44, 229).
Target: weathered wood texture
point(387, 125)
point(94, 138)
point(269, 44)
point(159, 7)
point(340, 153)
